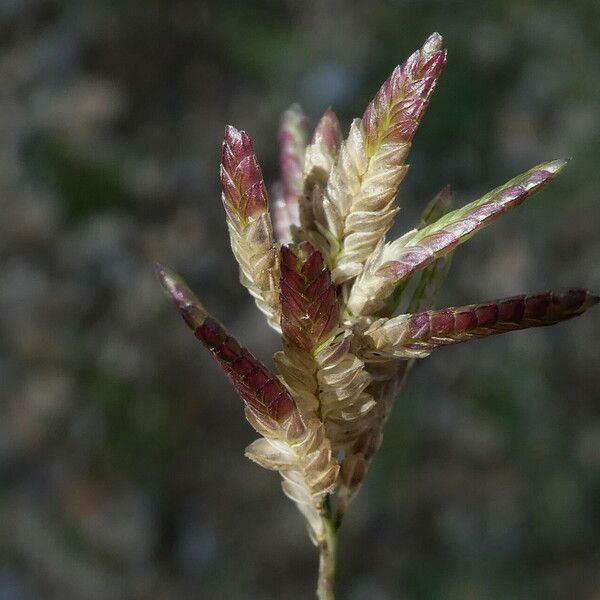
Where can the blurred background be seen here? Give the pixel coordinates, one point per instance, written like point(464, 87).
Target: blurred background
point(121, 444)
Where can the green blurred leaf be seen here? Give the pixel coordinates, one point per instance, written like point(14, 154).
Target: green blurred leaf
point(83, 184)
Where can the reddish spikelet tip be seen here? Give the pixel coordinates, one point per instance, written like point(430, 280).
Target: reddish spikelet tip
point(309, 307)
point(397, 108)
point(328, 129)
point(180, 294)
point(242, 182)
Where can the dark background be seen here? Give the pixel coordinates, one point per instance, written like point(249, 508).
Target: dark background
point(121, 466)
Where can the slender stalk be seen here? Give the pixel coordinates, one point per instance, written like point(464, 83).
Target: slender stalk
point(327, 558)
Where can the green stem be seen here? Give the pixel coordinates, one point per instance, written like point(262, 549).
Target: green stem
point(327, 556)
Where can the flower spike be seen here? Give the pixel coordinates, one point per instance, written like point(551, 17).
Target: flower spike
point(394, 114)
point(416, 335)
point(326, 379)
point(330, 285)
point(359, 206)
point(323, 148)
point(244, 192)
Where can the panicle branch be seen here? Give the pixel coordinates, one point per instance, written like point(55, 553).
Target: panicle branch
point(395, 112)
point(326, 379)
point(332, 288)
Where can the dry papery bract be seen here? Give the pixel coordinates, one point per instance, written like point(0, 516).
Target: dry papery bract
point(337, 291)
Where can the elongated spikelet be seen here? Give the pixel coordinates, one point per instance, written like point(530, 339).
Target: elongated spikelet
point(310, 315)
point(359, 204)
point(249, 223)
point(416, 335)
point(395, 262)
point(343, 392)
point(326, 379)
point(292, 148)
point(310, 312)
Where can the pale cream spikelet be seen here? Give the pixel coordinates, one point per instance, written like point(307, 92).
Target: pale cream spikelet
point(330, 385)
point(343, 393)
point(359, 201)
point(319, 160)
point(323, 148)
point(249, 223)
point(301, 452)
point(326, 379)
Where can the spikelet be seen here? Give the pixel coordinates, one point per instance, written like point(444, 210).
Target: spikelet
point(416, 335)
point(395, 262)
point(260, 390)
point(250, 231)
point(292, 445)
point(320, 158)
point(304, 459)
point(359, 203)
point(292, 148)
point(310, 316)
point(327, 381)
